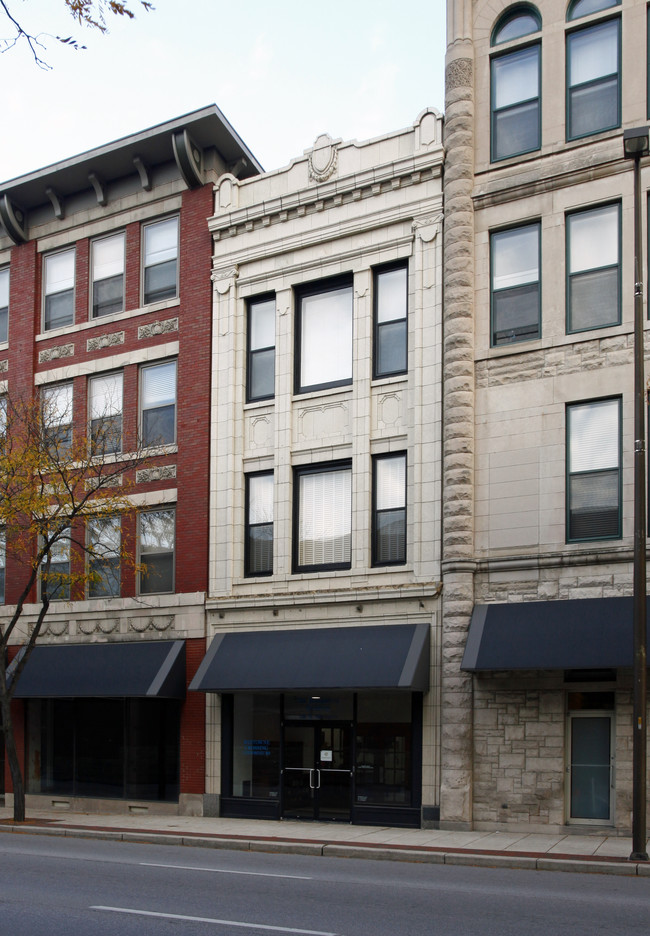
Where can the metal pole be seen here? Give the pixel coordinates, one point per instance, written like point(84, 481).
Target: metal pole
point(639, 751)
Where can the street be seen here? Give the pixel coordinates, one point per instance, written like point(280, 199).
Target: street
point(65, 887)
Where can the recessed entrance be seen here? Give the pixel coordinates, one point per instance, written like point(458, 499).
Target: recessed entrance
point(317, 771)
point(591, 757)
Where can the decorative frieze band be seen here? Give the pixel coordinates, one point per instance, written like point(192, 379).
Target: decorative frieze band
point(158, 473)
point(160, 622)
point(153, 329)
point(105, 341)
point(4, 366)
point(55, 354)
point(98, 625)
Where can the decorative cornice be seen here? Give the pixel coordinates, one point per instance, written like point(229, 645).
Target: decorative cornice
point(105, 341)
point(56, 353)
point(153, 329)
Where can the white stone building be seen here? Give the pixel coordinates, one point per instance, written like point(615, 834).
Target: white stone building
point(324, 587)
point(538, 395)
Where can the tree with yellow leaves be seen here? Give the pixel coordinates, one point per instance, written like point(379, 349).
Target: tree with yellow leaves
point(63, 498)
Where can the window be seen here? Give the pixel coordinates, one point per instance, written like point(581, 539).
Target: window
point(108, 275)
point(391, 298)
point(515, 299)
point(161, 261)
point(593, 470)
point(105, 404)
point(3, 563)
point(57, 418)
point(389, 510)
point(323, 518)
point(104, 546)
point(593, 75)
point(324, 336)
point(4, 304)
point(157, 547)
point(58, 289)
point(158, 404)
point(259, 524)
point(515, 82)
point(55, 583)
point(580, 8)
point(593, 268)
point(261, 349)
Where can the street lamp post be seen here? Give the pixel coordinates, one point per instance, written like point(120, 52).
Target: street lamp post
point(636, 143)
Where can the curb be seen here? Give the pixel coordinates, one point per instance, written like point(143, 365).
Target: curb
point(580, 864)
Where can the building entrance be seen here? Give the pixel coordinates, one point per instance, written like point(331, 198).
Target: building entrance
point(591, 767)
point(317, 771)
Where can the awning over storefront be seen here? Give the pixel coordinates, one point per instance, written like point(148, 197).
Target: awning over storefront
point(152, 669)
point(391, 656)
point(588, 633)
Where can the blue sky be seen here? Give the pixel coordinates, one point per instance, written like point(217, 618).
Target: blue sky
point(282, 72)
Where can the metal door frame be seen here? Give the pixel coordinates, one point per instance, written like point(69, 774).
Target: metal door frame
point(314, 770)
point(590, 713)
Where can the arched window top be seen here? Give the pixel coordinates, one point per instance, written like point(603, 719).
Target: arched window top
point(522, 20)
point(578, 8)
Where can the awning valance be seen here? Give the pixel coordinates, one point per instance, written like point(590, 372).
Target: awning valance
point(587, 633)
point(150, 669)
point(391, 656)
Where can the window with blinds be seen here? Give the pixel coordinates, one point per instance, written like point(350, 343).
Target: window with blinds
point(593, 470)
point(4, 304)
point(107, 260)
point(514, 294)
point(593, 268)
point(160, 261)
point(58, 289)
point(56, 403)
point(158, 404)
point(389, 510)
point(323, 518)
point(105, 405)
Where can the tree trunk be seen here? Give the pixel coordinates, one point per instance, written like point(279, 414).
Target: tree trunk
point(13, 760)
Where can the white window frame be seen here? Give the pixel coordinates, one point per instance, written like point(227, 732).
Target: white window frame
point(49, 260)
point(103, 554)
point(105, 421)
point(143, 410)
point(147, 265)
point(5, 286)
point(143, 553)
point(118, 266)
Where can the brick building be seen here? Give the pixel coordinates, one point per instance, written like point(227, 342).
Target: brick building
point(538, 395)
point(323, 605)
point(105, 310)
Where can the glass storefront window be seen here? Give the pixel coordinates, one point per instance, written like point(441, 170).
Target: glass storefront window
point(104, 747)
point(383, 749)
point(256, 746)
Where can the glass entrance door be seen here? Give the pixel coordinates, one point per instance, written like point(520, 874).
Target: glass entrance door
point(317, 771)
point(590, 770)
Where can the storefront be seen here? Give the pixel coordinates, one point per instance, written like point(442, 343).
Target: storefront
point(103, 720)
point(321, 723)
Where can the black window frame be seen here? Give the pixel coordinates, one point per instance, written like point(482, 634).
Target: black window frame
point(571, 275)
point(378, 513)
point(306, 291)
point(494, 293)
point(249, 538)
point(389, 325)
point(252, 354)
point(571, 536)
point(302, 471)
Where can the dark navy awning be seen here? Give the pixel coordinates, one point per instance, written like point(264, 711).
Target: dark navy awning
point(588, 633)
point(150, 669)
point(391, 656)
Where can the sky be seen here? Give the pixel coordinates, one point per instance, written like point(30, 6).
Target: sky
point(281, 72)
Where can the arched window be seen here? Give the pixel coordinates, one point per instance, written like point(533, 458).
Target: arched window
point(578, 8)
point(515, 85)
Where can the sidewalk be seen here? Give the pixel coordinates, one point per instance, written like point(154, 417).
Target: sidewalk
point(534, 850)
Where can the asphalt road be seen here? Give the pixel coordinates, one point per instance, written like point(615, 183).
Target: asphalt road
point(70, 887)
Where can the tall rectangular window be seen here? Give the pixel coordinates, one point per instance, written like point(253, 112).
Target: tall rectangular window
point(157, 545)
point(324, 336)
point(515, 293)
point(158, 404)
point(515, 103)
point(594, 470)
point(4, 304)
point(593, 79)
point(259, 524)
point(107, 260)
point(389, 510)
point(56, 402)
point(160, 261)
point(3, 563)
point(104, 548)
point(58, 289)
point(105, 405)
point(261, 349)
point(323, 518)
point(593, 268)
point(55, 581)
point(390, 307)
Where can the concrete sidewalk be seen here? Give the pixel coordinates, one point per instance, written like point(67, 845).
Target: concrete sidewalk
point(591, 852)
